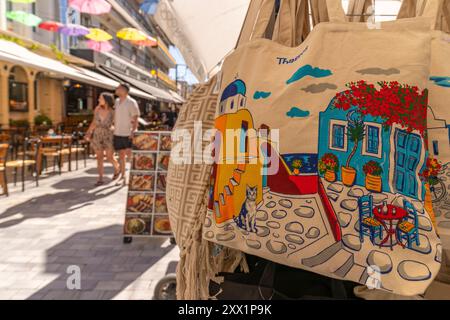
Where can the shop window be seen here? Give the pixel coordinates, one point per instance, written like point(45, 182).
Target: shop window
point(372, 140)
point(18, 90)
point(338, 136)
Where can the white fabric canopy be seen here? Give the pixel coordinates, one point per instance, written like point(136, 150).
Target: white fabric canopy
point(16, 54)
point(203, 30)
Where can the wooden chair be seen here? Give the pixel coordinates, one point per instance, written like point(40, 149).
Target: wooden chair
point(409, 228)
point(24, 163)
point(368, 225)
point(66, 150)
point(50, 147)
point(4, 147)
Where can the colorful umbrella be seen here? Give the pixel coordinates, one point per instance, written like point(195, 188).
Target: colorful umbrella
point(98, 35)
point(149, 6)
point(131, 34)
point(51, 26)
point(149, 42)
point(25, 18)
point(95, 7)
point(100, 46)
point(74, 30)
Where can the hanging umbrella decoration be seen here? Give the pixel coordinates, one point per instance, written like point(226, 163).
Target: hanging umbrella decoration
point(51, 26)
point(94, 7)
point(149, 6)
point(23, 17)
point(74, 30)
point(98, 35)
point(131, 34)
point(100, 46)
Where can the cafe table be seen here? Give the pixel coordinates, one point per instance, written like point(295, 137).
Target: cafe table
point(389, 220)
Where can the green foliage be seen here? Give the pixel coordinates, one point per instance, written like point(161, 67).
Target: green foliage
point(42, 120)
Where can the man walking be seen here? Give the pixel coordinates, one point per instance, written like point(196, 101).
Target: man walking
point(126, 117)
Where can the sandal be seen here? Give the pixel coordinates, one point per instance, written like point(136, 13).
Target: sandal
point(116, 176)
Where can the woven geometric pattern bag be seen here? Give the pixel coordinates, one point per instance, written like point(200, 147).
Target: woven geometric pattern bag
point(321, 150)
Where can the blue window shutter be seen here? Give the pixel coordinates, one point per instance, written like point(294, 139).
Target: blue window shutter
point(373, 139)
point(436, 147)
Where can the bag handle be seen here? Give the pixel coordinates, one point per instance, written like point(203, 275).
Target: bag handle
point(434, 9)
point(292, 25)
point(335, 10)
point(265, 16)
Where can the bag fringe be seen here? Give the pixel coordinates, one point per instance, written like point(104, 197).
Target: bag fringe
point(198, 266)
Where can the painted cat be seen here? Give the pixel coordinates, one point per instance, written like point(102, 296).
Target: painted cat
point(247, 216)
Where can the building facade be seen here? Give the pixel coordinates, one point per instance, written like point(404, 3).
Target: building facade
point(28, 91)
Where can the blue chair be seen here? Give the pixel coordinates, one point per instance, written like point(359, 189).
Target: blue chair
point(368, 225)
point(408, 229)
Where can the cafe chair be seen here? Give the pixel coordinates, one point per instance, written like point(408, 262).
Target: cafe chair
point(368, 225)
point(50, 149)
point(23, 163)
point(408, 229)
point(66, 151)
point(81, 146)
point(4, 147)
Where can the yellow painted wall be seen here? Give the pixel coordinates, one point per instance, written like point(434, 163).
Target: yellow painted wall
point(251, 177)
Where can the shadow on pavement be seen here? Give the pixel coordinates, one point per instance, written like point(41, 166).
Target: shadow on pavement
point(78, 193)
point(107, 265)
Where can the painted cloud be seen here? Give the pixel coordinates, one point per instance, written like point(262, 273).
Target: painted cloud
point(308, 70)
point(379, 71)
point(441, 81)
point(261, 95)
point(320, 87)
point(297, 113)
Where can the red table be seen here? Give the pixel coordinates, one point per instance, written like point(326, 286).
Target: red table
point(390, 218)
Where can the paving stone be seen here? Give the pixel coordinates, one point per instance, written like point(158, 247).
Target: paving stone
point(425, 223)
point(352, 242)
point(285, 203)
point(381, 260)
point(336, 187)
point(333, 196)
point(279, 214)
point(344, 219)
point(355, 192)
point(295, 239)
point(262, 215)
point(304, 212)
point(295, 227)
point(313, 233)
point(349, 204)
point(276, 247)
point(413, 271)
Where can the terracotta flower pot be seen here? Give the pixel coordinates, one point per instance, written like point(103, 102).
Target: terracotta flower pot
point(429, 204)
point(348, 176)
point(330, 176)
point(374, 183)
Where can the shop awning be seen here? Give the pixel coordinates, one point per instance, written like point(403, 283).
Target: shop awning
point(203, 30)
point(21, 56)
point(177, 97)
point(160, 94)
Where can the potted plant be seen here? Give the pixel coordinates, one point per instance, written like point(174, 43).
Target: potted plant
point(355, 132)
point(297, 164)
point(430, 176)
point(373, 172)
point(43, 121)
point(328, 167)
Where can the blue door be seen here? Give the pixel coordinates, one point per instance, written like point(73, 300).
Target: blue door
point(407, 158)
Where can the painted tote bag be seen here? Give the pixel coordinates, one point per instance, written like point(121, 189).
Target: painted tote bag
point(320, 150)
point(437, 174)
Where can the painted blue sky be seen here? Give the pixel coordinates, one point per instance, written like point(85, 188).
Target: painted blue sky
point(183, 72)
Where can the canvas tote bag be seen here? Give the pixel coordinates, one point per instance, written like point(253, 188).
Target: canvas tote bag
point(187, 183)
point(346, 200)
point(438, 174)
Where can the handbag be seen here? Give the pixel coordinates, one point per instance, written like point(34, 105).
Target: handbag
point(320, 149)
point(438, 168)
